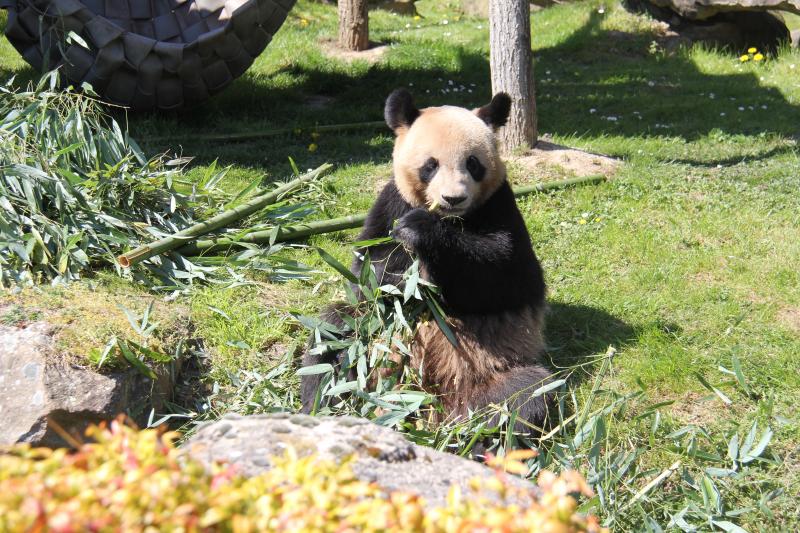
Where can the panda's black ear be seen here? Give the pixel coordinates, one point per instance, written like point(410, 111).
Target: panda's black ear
point(400, 111)
point(495, 113)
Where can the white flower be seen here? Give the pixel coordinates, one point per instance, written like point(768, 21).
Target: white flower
point(593, 110)
point(722, 114)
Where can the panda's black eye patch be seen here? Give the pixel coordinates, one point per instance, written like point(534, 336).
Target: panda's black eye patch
point(475, 168)
point(428, 170)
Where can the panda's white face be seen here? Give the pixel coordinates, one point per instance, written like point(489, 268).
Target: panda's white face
point(447, 157)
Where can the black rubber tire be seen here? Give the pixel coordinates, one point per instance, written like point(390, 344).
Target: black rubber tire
point(145, 54)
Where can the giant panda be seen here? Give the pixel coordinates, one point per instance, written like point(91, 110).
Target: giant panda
point(450, 206)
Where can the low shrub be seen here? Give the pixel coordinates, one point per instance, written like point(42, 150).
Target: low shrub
point(129, 480)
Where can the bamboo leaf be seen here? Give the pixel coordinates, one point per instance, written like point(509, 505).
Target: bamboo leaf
point(137, 363)
point(737, 369)
point(340, 268)
point(312, 370)
point(709, 386)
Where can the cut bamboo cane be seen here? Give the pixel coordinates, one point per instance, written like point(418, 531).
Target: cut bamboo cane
point(219, 221)
point(301, 231)
point(288, 233)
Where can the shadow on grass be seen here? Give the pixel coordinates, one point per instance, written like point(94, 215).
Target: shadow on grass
point(596, 74)
point(611, 72)
point(575, 333)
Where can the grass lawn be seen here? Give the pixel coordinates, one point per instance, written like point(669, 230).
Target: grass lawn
point(685, 262)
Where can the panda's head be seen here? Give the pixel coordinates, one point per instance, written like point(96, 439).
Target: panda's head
point(446, 156)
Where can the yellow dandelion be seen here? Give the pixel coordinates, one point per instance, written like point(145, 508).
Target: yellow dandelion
point(303, 23)
point(597, 219)
point(417, 17)
point(312, 147)
point(758, 57)
point(752, 50)
point(744, 58)
point(582, 221)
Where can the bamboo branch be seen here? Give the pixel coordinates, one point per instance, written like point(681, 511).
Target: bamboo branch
point(560, 184)
point(219, 221)
point(288, 233)
point(301, 231)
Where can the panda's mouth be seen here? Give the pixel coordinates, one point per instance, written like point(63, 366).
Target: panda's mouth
point(449, 211)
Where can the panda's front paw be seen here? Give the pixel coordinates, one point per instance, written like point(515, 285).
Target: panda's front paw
point(413, 226)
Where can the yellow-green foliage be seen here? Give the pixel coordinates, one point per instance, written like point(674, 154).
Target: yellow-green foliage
point(132, 480)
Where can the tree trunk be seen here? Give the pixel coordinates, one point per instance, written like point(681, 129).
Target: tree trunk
point(353, 25)
point(512, 69)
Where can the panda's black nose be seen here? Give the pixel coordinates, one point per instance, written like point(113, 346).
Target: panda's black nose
point(454, 200)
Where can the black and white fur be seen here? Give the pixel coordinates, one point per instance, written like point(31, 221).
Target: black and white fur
point(474, 246)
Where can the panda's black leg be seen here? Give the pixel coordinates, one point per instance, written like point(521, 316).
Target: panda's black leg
point(516, 387)
point(310, 385)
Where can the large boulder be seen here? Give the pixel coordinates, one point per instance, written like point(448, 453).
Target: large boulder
point(42, 393)
point(380, 455)
point(734, 24)
point(705, 9)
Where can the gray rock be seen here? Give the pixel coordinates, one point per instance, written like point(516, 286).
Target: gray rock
point(382, 456)
point(39, 391)
point(728, 23)
point(704, 9)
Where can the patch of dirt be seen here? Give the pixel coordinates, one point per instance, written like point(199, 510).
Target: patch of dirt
point(549, 158)
point(85, 316)
point(699, 409)
point(704, 278)
point(790, 317)
point(371, 55)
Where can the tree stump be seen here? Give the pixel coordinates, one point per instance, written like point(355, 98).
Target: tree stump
point(353, 25)
point(511, 62)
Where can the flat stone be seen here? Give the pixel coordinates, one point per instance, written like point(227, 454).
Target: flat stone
point(380, 455)
point(41, 391)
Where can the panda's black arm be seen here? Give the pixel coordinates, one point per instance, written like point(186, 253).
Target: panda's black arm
point(478, 271)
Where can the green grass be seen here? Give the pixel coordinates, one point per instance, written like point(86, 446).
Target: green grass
point(688, 257)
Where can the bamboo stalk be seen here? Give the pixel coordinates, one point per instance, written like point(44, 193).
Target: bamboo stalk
point(288, 233)
point(219, 221)
point(301, 231)
point(260, 134)
point(560, 184)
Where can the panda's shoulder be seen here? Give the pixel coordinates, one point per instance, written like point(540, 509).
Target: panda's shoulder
point(390, 202)
point(501, 208)
point(388, 207)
